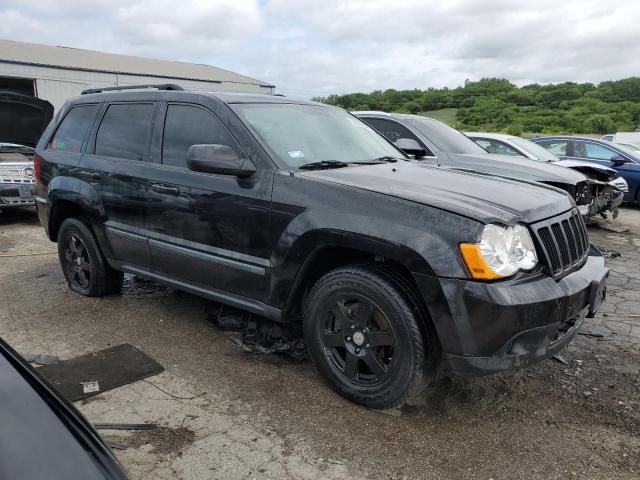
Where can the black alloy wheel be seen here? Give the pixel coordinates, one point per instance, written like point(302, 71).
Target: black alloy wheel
point(77, 262)
point(359, 340)
point(83, 264)
point(367, 336)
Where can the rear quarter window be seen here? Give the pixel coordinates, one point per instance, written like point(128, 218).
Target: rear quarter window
point(73, 128)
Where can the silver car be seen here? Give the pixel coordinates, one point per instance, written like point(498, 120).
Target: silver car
point(23, 118)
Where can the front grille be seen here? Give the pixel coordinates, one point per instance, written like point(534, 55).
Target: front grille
point(564, 242)
point(16, 173)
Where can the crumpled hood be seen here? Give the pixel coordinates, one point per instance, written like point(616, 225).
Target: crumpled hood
point(23, 118)
point(514, 167)
point(592, 170)
point(475, 195)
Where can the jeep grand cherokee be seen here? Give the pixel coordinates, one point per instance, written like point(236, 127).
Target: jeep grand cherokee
point(302, 214)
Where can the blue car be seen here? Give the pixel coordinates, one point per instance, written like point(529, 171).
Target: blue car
point(624, 160)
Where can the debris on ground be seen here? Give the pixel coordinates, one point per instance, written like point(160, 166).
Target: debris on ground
point(163, 440)
point(560, 359)
point(125, 426)
point(607, 226)
point(86, 375)
point(591, 334)
point(115, 445)
point(608, 253)
point(40, 359)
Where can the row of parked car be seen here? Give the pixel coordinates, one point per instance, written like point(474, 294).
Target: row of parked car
point(393, 245)
point(604, 174)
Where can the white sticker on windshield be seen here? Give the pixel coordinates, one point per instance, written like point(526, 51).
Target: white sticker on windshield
point(296, 154)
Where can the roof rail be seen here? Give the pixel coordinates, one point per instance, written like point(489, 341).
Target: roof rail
point(163, 86)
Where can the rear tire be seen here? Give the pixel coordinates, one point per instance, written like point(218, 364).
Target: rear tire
point(363, 335)
point(82, 262)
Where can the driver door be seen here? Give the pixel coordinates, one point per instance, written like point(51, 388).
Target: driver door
point(206, 230)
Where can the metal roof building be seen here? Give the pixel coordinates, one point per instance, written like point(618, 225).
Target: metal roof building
point(57, 73)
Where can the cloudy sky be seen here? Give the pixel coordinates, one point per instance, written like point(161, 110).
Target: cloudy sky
point(309, 48)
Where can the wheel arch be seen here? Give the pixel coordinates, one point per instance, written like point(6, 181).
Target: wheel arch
point(316, 253)
point(71, 197)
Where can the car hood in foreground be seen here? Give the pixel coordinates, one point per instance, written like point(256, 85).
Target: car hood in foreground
point(516, 167)
point(475, 195)
point(590, 169)
point(23, 118)
point(42, 435)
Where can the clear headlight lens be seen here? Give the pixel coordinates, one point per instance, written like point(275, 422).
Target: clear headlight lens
point(502, 252)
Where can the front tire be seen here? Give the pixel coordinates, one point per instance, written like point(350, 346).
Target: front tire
point(82, 262)
point(364, 338)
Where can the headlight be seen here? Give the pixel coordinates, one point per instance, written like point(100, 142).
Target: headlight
point(502, 252)
point(621, 184)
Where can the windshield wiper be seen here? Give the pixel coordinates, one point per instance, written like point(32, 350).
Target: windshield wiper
point(323, 165)
point(387, 158)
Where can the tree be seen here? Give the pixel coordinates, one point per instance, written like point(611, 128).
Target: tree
point(515, 129)
point(601, 123)
point(495, 104)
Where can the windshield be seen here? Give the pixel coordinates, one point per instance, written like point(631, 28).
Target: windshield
point(444, 137)
point(301, 134)
point(534, 149)
point(627, 150)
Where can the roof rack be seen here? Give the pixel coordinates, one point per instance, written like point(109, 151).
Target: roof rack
point(164, 86)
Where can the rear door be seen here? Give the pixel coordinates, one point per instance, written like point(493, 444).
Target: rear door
point(116, 165)
point(206, 229)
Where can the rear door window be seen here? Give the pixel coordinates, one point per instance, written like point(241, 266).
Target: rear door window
point(71, 131)
point(187, 125)
point(124, 131)
point(557, 147)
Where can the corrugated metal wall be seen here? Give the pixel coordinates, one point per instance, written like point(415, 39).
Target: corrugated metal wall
point(56, 84)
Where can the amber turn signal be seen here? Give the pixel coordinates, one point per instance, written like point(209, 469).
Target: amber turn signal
point(476, 265)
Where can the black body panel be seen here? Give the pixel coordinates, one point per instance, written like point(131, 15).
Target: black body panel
point(42, 435)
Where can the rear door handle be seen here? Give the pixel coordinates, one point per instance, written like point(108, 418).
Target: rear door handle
point(166, 189)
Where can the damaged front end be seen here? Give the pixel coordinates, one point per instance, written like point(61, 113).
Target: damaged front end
point(603, 192)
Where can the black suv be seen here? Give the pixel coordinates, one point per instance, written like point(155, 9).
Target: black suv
point(303, 215)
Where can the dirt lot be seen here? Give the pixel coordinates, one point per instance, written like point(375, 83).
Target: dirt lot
point(231, 415)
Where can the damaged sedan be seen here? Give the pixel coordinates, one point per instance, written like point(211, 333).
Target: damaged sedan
point(430, 141)
point(607, 186)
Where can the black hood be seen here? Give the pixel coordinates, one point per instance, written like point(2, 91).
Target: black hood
point(23, 118)
point(475, 195)
point(516, 167)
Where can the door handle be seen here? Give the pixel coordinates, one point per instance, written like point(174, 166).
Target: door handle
point(166, 189)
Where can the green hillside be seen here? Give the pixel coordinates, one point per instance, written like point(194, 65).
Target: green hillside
point(495, 104)
point(446, 115)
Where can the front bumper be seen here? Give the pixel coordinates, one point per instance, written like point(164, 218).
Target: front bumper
point(490, 327)
point(16, 195)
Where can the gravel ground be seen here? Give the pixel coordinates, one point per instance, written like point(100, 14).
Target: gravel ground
point(231, 415)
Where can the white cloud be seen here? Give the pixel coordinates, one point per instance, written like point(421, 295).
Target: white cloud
point(309, 47)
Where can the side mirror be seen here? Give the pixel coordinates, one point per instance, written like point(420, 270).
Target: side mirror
point(410, 147)
point(619, 160)
point(219, 159)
